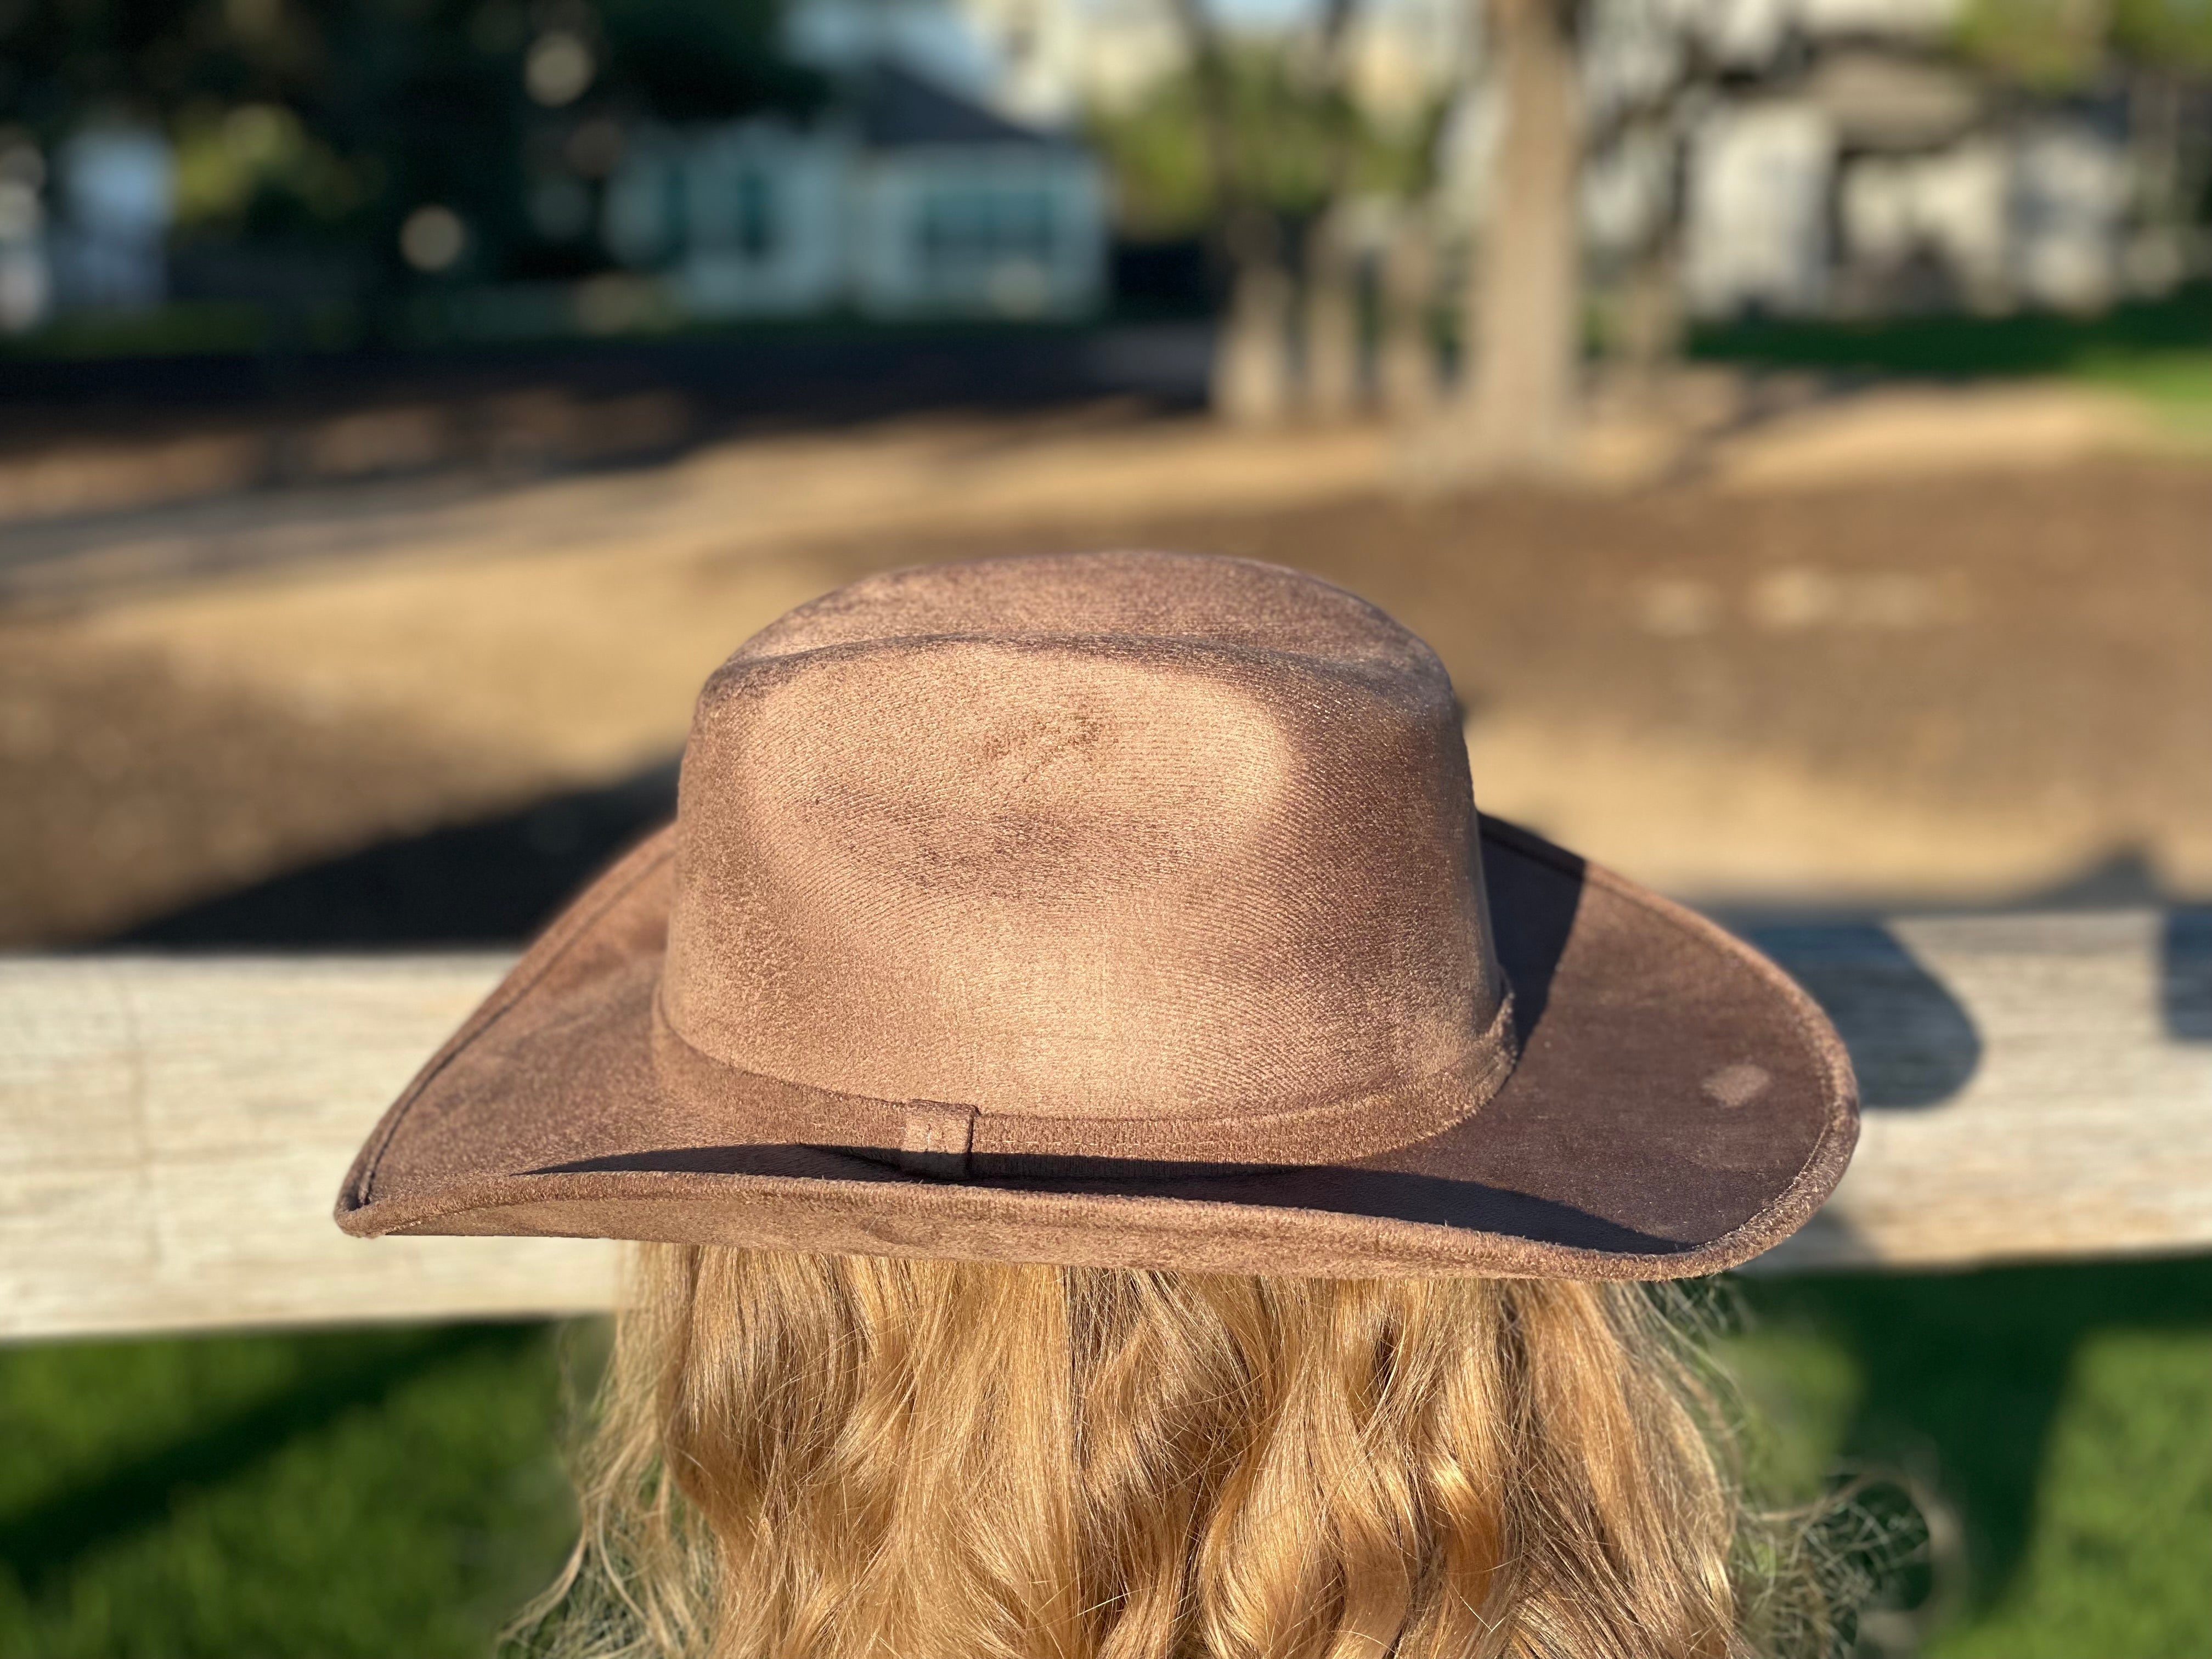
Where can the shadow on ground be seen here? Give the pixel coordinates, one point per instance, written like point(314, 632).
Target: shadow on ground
point(339, 1375)
point(352, 1494)
point(493, 882)
point(1963, 1376)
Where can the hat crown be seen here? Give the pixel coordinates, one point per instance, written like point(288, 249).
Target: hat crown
point(1124, 854)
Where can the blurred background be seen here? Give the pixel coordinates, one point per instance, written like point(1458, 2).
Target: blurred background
point(1791, 421)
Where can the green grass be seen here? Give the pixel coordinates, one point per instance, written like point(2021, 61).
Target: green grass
point(396, 1493)
point(389, 1494)
point(1951, 346)
point(2159, 351)
point(517, 320)
point(2060, 1417)
point(181, 328)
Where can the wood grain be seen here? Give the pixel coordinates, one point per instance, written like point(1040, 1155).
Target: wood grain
point(173, 1134)
point(2060, 1105)
point(173, 1130)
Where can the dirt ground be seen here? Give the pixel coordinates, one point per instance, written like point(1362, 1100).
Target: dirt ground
point(1835, 663)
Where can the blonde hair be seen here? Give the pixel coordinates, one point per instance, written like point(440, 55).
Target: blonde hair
point(841, 1457)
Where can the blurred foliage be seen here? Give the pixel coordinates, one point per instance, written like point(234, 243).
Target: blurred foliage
point(2047, 45)
point(698, 59)
point(329, 121)
point(396, 1491)
point(256, 167)
point(2170, 33)
point(1288, 128)
point(2062, 46)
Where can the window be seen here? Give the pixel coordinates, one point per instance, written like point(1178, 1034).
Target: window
point(979, 225)
point(756, 217)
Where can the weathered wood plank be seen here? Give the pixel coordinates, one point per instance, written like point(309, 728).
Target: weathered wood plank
point(172, 1129)
point(2037, 1086)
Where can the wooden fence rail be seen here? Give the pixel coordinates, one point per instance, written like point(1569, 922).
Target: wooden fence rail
point(172, 1129)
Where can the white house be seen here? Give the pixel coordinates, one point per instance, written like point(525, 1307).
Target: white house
point(1038, 61)
point(905, 200)
point(1755, 222)
point(1841, 166)
point(1873, 176)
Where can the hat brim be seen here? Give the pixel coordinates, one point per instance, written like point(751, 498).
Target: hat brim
point(1679, 1106)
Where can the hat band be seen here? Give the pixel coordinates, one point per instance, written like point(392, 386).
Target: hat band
point(953, 1139)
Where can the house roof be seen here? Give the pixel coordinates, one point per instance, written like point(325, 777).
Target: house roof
point(1888, 100)
point(897, 108)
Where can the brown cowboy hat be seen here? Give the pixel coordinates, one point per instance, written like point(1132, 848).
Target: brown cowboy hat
point(1130, 909)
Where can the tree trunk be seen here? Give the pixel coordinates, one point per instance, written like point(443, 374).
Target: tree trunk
point(1407, 368)
point(1653, 322)
point(2167, 196)
point(1332, 323)
point(1251, 382)
point(1524, 310)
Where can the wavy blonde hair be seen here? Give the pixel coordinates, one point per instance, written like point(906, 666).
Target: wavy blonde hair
point(843, 1457)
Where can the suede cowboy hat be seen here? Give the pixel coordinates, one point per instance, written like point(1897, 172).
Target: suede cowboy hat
point(1124, 909)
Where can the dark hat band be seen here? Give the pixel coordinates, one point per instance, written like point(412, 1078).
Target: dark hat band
point(953, 1139)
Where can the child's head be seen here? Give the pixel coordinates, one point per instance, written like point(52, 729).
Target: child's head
point(1130, 912)
point(818, 1457)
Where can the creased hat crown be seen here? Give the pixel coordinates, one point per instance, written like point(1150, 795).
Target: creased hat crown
point(1108, 856)
point(1118, 910)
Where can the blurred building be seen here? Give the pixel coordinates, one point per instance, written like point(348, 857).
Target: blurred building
point(118, 191)
point(1042, 63)
point(1048, 62)
point(1833, 157)
point(905, 199)
point(1877, 181)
